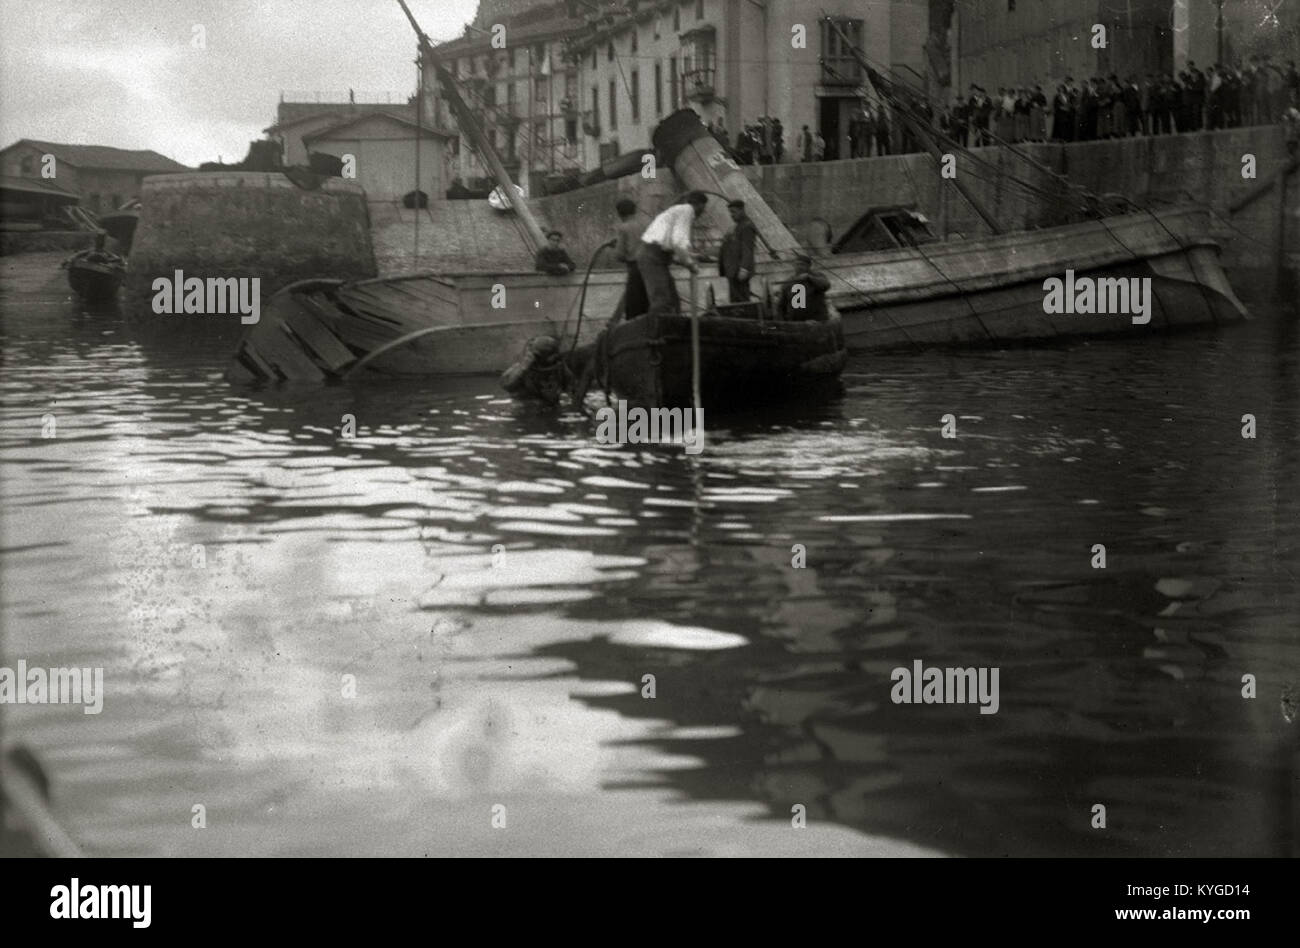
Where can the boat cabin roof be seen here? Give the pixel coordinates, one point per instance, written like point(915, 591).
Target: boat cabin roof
point(885, 227)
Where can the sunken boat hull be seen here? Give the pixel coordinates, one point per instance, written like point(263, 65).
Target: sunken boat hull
point(743, 362)
point(991, 291)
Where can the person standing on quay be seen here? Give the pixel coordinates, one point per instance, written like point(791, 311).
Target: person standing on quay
point(806, 144)
point(1146, 105)
point(1197, 88)
point(667, 238)
point(736, 256)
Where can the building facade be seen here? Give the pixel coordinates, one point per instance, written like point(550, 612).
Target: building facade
point(523, 87)
point(736, 61)
point(383, 149)
point(103, 178)
point(996, 43)
point(297, 121)
point(616, 69)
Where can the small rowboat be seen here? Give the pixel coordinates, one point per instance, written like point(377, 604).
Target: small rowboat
point(95, 275)
point(746, 358)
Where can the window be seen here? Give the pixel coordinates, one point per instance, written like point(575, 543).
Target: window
point(841, 38)
point(677, 19)
point(117, 202)
point(26, 164)
point(699, 9)
point(635, 82)
point(659, 89)
point(1011, 6)
point(634, 46)
point(513, 62)
point(593, 57)
point(609, 52)
point(613, 105)
point(673, 100)
point(595, 108)
point(699, 63)
point(657, 26)
point(510, 98)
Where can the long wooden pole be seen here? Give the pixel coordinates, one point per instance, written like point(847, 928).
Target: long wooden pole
point(419, 133)
point(469, 124)
point(695, 348)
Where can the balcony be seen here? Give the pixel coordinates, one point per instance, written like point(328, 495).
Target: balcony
point(699, 57)
point(698, 84)
point(591, 123)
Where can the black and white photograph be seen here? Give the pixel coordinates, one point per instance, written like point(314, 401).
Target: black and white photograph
point(650, 429)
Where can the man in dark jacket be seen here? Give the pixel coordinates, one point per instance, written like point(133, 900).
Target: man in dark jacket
point(803, 296)
point(736, 256)
point(553, 258)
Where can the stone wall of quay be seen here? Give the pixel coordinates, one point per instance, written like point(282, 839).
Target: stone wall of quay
point(248, 224)
point(1196, 167)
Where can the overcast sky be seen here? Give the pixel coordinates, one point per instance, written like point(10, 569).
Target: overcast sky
point(126, 73)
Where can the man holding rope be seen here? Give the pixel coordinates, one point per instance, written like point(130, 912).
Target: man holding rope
point(668, 238)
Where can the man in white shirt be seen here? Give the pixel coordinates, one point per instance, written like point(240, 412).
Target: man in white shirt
point(667, 238)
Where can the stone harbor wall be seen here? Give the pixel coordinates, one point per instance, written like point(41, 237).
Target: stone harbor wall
point(247, 224)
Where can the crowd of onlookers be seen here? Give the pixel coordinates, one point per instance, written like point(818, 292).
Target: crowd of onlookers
point(870, 132)
point(1258, 93)
point(757, 143)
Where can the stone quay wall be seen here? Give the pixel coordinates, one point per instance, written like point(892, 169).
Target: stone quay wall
point(248, 224)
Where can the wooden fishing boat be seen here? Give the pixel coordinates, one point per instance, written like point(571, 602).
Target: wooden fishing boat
point(746, 359)
point(95, 275)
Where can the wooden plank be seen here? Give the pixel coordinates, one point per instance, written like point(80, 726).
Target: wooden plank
point(250, 351)
point(377, 306)
point(326, 346)
point(288, 357)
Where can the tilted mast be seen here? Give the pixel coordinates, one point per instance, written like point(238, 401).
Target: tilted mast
point(479, 141)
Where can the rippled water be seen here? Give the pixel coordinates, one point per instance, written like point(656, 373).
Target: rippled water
point(515, 678)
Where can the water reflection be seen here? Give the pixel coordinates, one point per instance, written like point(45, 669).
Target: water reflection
point(459, 607)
